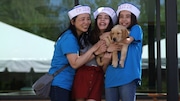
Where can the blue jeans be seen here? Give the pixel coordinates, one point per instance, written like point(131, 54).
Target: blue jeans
point(59, 94)
point(125, 92)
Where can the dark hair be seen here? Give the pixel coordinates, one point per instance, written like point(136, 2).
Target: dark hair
point(133, 21)
point(95, 33)
point(83, 37)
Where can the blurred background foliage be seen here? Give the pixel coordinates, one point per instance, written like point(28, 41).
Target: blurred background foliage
point(48, 18)
point(40, 17)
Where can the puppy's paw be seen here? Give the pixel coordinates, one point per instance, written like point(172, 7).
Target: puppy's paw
point(121, 63)
point(114, 64)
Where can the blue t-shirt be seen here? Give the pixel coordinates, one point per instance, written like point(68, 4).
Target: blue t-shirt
point(66, 44)
point(132, 68)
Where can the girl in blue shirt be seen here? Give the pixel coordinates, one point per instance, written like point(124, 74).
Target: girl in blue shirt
point(121, 82)
point(67, 52)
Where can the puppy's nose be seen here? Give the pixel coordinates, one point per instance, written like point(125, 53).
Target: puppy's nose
point(114, 39)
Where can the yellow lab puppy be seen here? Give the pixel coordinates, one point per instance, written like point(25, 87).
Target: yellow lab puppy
point(118, 34)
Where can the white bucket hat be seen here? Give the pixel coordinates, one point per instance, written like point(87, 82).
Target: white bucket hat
point(79, 9)
point(129, 7)
point(108, 11)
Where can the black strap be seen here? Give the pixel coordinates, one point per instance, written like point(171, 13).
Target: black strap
point(58, 71)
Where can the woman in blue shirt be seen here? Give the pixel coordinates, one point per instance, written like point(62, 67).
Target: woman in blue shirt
point(121, 82)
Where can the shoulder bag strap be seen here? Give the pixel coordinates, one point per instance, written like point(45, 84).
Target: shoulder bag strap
point(58, 71)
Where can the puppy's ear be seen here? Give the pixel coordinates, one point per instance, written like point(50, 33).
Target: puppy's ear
point(125, 33)
point(111, 33)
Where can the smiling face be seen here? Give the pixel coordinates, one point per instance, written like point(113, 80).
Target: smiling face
point(125, 18)
point(103, 21)
point(82, 23)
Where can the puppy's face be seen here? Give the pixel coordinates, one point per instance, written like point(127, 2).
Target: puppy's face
point(119, 33)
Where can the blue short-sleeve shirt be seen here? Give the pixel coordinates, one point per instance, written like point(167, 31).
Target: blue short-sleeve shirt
point(66, 44)
point(132, 68)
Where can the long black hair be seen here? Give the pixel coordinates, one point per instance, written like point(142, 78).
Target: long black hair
point(133, 21)
point(83, 37)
